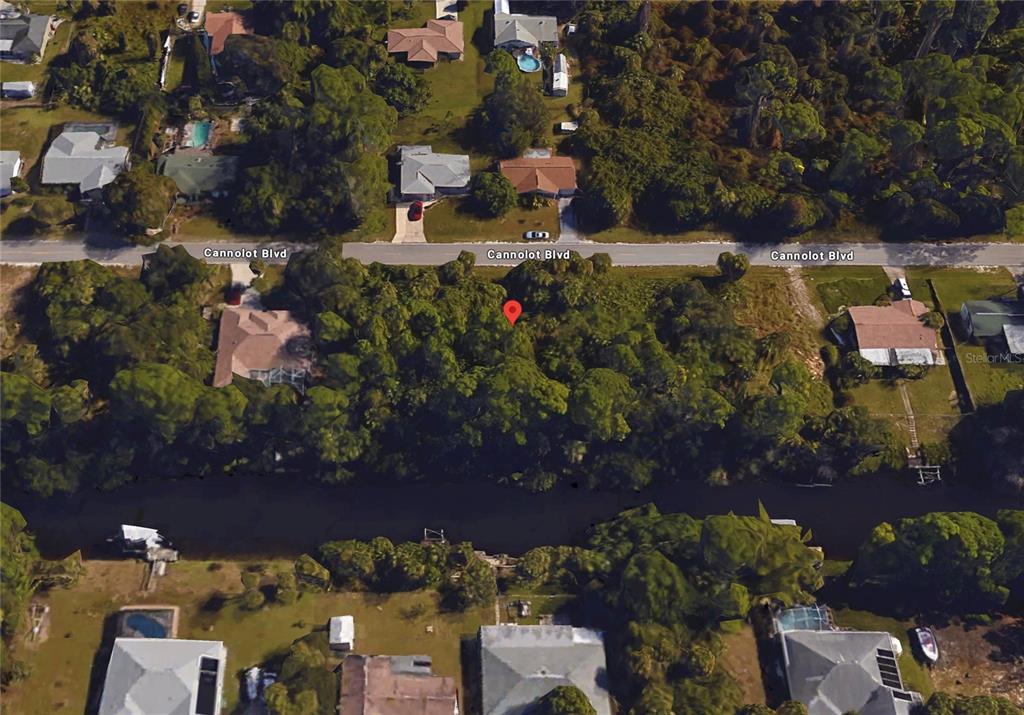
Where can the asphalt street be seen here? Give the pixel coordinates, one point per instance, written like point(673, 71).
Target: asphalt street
point(33, 252)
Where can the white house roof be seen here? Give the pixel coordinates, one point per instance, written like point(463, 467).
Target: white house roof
point(517, 29)
point(81, 157)
point(342, 630)
point(25, 87)
point(560, 77)
point(164, 676)
point(10, 165)
point(898, 356)
point(424, 172)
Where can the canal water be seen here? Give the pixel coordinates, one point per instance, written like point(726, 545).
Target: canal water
point(285, 516)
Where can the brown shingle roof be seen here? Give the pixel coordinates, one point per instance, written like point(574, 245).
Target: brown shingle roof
point(892, 326)
point(259, 340)
point(548, 174)
point(372, 685)
point(423, 44)
point(221, 25)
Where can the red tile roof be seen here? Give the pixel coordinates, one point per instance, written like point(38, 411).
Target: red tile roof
point(424, 44)
point(220, 26)
point(547, 174)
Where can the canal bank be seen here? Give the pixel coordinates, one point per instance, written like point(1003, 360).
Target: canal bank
point(285, 516)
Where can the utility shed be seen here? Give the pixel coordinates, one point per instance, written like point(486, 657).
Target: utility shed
point(560, 76)
point(342, 632)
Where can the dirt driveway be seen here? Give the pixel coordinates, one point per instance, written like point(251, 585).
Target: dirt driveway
point(982, 660)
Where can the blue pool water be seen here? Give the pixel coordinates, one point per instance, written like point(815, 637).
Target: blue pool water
point(528, 63)
point(148, 627)
point(200, 134)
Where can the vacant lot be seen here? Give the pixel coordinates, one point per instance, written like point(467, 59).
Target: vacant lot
point(982, 660)
point(394, 624)
point(740, 658)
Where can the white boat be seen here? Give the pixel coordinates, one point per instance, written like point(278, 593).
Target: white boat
point(927, 643)
point(252, 684)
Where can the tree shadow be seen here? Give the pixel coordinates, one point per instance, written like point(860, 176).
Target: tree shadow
point(1008, 643)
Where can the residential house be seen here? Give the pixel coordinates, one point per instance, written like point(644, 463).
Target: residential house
point(10, 166)
point(890, 335)
point(394, 685)
point(560, 76)
point(198, 174)
point(18, 90)
point(265, 345)
point(550, 176)
point(84, 155)
point(519, 665)
point(341, 633)
point(424, 174)
point(987, 319)
point(164, 676)
point(425, 45)
point(514, 31)
point(834, 672)
point(23, 37)
point(222, 25)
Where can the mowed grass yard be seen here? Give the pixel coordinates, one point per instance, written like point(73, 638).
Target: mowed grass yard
point(989, 380)
point(836, 287)
point(61, 666)
point(452, 221)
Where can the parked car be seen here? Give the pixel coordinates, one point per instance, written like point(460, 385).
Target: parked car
point(539, 235)
point(901, 288)
point(927, 644)
point(416, 211)
point(193, 17)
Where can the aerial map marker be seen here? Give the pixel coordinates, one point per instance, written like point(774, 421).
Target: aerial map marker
point(512, 311)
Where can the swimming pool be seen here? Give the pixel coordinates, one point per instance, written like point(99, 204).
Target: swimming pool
point(198, 134)
point(528, 63)
point(145, 625)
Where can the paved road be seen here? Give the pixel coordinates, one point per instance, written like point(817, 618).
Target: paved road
point(504, 254)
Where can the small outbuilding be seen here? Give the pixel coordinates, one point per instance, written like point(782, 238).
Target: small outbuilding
point(10, 166)
point(560, 76)
point(18, 90)
point(342, 633)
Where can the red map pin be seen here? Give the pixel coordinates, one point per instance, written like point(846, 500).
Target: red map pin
point(512, 311)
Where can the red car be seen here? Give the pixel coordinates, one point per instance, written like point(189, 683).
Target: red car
point(416, 211)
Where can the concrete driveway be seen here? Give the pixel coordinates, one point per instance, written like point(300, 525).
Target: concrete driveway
point(568, 232)
point(446, 7)
point(407, 231)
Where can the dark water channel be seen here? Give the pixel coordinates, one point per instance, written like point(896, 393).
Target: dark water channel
point(235, 517)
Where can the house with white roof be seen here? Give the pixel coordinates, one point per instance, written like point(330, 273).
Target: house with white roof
point(164, 676)
point(83, 156)
point(424, 174)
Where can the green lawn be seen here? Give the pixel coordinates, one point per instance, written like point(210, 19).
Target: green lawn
point(915, 675)
point(989, 380)
point(395, 625)
point(630, 234)
point(836, 287)
point(14, 72)
point(449, 222)
point(932, 399)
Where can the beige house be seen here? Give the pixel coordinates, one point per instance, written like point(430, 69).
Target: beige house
point(265, 345)
point(424, 45)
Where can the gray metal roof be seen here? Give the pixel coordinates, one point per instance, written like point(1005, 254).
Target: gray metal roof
point(836, 672)
point(158, 676)
point(24, 35)
point(521, 664)
point(82, 158)
point(424, 172)
point(524, 29)
point(1014, 338)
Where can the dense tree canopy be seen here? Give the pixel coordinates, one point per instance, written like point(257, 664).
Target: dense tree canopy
point(777, 119)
